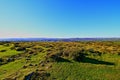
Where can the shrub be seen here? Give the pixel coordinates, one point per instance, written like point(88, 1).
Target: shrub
point(20, 49)
point(39, 49)
point(37, 75)
point(6, 44)
point(77, 55)
point(118, 53)
point(16, 45)
point(10, 59)
point(1, 60)
point(3, 50)
point(93, 52)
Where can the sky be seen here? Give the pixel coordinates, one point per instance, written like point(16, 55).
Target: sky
point(59, 18)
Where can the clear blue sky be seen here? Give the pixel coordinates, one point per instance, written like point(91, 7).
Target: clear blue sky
point(59, 18)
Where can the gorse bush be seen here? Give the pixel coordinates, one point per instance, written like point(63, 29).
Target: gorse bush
point(19, 60)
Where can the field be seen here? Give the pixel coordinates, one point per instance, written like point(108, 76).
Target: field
point(90, 60)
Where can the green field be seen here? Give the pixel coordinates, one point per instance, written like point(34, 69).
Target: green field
point(98, 60)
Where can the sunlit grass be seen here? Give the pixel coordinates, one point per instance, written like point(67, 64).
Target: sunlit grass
point(87, 71)
point(10, 68)
point(94, 67)
point(8, 52)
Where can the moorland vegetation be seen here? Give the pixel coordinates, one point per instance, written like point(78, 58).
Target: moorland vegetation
point(90, 60)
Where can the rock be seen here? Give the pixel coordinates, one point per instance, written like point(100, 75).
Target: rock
point(37, 75)
point(10, 59)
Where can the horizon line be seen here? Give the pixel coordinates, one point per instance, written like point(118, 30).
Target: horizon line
point(52, 37)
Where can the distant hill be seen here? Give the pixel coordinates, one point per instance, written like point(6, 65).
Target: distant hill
point(59, 39)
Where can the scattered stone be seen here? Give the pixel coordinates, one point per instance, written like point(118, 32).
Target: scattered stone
point(10, 59)
point(37, 75)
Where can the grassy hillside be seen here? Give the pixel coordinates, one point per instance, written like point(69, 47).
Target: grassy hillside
point(98, 60)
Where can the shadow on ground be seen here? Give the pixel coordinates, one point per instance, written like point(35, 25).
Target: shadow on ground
point(94, 61)
point(83, 59)
point(58, 59)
